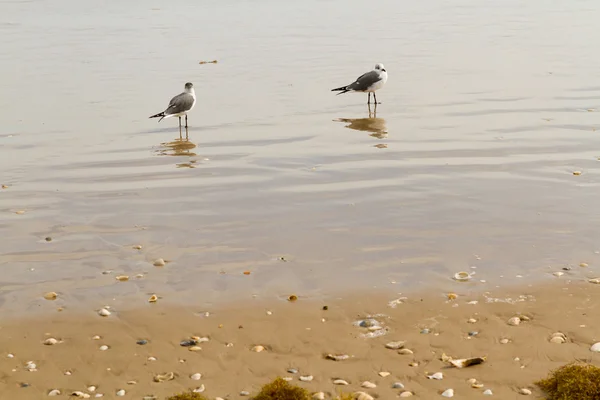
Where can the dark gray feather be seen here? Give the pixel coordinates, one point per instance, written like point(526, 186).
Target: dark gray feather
point(180, 103)
point(365, 81)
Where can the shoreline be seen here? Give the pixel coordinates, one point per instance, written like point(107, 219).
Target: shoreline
point(297, 335)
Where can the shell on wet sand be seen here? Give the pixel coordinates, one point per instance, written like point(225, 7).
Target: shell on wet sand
point(368, 385)
point(340, 382)
point(362, 396)
point(525, 391)
point(258, 349)
point(437, 376)
point(103, 312)
point(395, 345)
point(405, 352)
point(168, 376)
point(406, 394)
point(51, 296)
point(595, 347)
point(558, 338)
point(514, 321)
point(337, 357)
point(50, 341)
point(448, 393)
point(159, 262)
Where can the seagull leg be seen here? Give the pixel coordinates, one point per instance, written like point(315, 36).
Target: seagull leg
point(369, 101)
point(375, 97)
point(186, 122)
point(179, 127)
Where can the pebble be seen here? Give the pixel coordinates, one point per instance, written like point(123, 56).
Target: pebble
point(384, 374)
point(196, 376)
point(337, 357)
point(30, 366)
point(397, 385)
point(595, 281)
point(405, 352)
point(558, 273)
point(287, 378)
point(244, 393)
point(406, 394)
point(24, 385)
point(96, 337)
point(48, 239)
point(595, 347)
point(368, 385)
point(54, 392)
point(103, 347)
point(583, 265)
point(142, 342)
point(471, 320)
point(425, 331)
point(91, 389)
point(395, 345)
point(438, 376)
point(50, 341)
point(340, 382)
point(104, 312)
point(473, 333)
point(68, 373)
point(137, 247)
point(292, 371)
point(306, 378)
point(318, 396)
point(188, 343)
point(10, 355)
point(195, 348)
point(122, 278)
point(413, 364)
point(504, 341)
point(576, 173)
point(514, 321)
point(121, 393)
point(487, 392)
point(525, 391)
point(258, 349)
point(199, 389)
point(50, 296)
point(448, 393)
point(362, 396)
point(452, 296)
point(159, 262)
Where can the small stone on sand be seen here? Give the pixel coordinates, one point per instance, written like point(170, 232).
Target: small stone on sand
point(595, 347)
point(397, 385)
point(318, 396)
point(487, 392)
point(406, 394)
point(258, 349)
point(384, 374)
point(448, 393)
point(50, 341)
point(121, 393)
point(104, 312)
point(159, 262)
point(525, 391)
point(196, 376)
point(405, 352)
point(137, 247)
point(306, 378)
point(395, 345)
point(368, 385)
point(50, 296)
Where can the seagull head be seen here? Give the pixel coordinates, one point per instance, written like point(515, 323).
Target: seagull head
point(380, 67)
point(189, 86)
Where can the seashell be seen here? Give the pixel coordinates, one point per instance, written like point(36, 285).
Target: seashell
point(199, 339)
point(50, 341)
point(54, 392)
point(20, 212)
point(168, 376)
point(525, 391)
point(374, 328)
point(368, 385)
point(462, 276)
point(195, 348)
point(406, 394)
point(96, 337)
point(122, 278)
point(132, 382)
point(104, 312)
point(576, 173)
point(413, 364)
point(558, 338)
point(362, 396)
point(50, 296)
point(595, 281)
point(337, 357)
point(318, 396)
point(159, 262)
point(292, 370)
point(340, 382)
point(306, 378)
point(121, 393)
point(595, 347)
point(244, 393)
point(384, 374)
point(103, 347)
point(405, 352)
point(471, 320)
point(188, 343)
point(199, 389)
point(514, 321)
point(438, 376)
point(397, 385)
point(91, 389)
point(448, 393)
point(258, 349)
point(196, 376)
point(395, 345)
point(30, 366)
point(137, 247)
point(292, 297)
point(452, 296)
point(583, 265)
point(488, 392)
point(81, 395)
point(477, 385)
point(558, 274)
point(504, 341)
point(467, 362)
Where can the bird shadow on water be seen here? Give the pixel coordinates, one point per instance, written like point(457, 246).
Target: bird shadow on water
point(179, 147)
point(376, 127)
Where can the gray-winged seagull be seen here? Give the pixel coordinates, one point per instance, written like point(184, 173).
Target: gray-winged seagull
point(369, 82)
point(180, 105)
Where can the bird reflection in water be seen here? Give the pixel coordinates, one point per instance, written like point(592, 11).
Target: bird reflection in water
point(376, 126)
point(179, 148)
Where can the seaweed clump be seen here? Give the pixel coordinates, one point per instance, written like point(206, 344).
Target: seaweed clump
point(572, 381)
point(280, 389)
point(187, 396)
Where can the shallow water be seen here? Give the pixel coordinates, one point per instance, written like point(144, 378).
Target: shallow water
point(488, 110)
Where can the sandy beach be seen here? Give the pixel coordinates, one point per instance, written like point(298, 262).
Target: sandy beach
point(299, 335)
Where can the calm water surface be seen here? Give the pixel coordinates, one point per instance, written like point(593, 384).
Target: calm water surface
point(489, 108)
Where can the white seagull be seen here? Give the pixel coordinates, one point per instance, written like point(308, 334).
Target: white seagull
point(180, 105)
point(369, 82)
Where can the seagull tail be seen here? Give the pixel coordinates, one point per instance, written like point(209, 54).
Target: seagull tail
point(160, 114)
point(341, 90)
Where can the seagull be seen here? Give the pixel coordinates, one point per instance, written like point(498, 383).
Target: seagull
point(180, 105)
point(369, 82)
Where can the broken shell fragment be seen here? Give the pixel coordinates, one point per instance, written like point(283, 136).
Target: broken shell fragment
point(448, 393)
point(168, 376)
point(258, 349)
point(558, 338)
point(525, 391)
point(196, 376)
point(405, 352)
point(462, 276)
point(81, 395)
point(340, 382)
point(153, 299)
point(437, 376)
point(406, 394)
point(50, 341)
point(337, 357)
point(104, 312)
point(368, 385)
point(50, 296)
point(159, 262)
point(122, 278)
point(395, 345)
point(467, 362)
point(514, 321)
point(595, 281)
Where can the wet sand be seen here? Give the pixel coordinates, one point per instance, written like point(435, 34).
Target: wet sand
point(298, 335)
